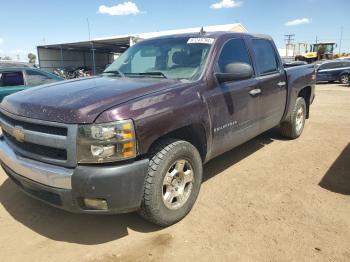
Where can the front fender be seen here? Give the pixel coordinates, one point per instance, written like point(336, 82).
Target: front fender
point(158, 114)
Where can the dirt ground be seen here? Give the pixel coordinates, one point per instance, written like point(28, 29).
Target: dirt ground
point(268, 200)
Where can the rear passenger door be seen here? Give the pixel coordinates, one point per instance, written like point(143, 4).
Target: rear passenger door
point(272, 82)
point(329, 71)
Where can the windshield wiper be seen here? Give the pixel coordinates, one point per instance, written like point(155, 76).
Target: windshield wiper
point(115, 72)
point(155, 73)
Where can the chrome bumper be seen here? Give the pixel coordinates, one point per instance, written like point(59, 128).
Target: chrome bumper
point(49, 175)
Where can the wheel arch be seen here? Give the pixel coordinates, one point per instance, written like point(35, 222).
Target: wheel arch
point(193, 133)
point(306, 94)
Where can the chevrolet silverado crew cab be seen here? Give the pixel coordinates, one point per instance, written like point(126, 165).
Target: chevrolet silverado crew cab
point(135, 138)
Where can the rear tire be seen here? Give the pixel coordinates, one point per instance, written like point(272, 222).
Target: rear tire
point(344, 79)
point(294, 126)
point(173, 182)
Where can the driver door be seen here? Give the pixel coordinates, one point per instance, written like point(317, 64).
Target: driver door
point(234, 106)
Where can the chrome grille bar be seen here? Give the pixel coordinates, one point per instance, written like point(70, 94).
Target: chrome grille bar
point(37, 137)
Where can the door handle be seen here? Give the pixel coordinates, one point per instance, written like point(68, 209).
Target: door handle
point(281, 84)
point(255, 92)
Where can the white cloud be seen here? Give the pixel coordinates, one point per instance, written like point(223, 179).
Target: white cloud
point(298, 21)
point(226, 4)
point(126, 8)
point(1, 40)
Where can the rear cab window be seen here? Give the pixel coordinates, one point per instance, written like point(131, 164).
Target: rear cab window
point(265, 54)
point(13, 78)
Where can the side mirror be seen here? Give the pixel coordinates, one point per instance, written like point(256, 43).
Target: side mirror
point(235, 71)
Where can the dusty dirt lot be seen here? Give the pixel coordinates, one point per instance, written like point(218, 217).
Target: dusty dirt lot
point(268, 200)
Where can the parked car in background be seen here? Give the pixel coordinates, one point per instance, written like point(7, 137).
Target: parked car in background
point(15, 79)
point(335, 70)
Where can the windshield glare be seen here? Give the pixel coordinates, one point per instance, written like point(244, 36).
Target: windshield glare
point(174, 58)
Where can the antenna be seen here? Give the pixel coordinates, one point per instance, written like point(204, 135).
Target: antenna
point(88, 26)
point(202, 32)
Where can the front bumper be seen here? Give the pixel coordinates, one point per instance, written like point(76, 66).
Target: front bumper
point(121, 186)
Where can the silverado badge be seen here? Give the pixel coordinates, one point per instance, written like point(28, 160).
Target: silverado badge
point(18, 133)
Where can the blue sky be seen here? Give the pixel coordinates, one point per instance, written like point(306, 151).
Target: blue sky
point(28, 23)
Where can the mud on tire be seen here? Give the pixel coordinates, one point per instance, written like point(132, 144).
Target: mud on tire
point(170, 157)
point(294, 125)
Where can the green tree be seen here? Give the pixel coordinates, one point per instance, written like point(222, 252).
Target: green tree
point(31, 58)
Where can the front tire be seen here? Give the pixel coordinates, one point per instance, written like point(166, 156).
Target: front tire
point(172, 183)
point(294, 126)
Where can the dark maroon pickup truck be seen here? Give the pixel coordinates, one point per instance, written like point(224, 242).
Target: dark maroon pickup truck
point(136, 137)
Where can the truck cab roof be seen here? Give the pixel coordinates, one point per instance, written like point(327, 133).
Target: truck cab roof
point(217, 34)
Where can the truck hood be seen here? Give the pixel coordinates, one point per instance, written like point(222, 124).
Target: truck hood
point(80, 100)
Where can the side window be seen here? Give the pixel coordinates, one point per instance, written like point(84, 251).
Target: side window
point(234, 51)
point(35, 78)
point(346, 64)
point(331, 65)
point(265, 56)
point(11, 79)
point(321, 67)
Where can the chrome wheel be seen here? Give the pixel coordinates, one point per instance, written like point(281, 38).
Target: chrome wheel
point(177, 184)
point(299, 119)
point(344, 79)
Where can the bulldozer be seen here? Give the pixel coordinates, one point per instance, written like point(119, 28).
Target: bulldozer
point(318, 51)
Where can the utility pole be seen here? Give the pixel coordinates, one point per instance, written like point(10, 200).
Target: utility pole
point(289, 39)
point(341, 39)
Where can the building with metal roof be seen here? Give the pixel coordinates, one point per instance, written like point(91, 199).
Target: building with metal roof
point(97, 53)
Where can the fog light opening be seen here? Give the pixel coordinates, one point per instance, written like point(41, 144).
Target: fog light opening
point(95, 203)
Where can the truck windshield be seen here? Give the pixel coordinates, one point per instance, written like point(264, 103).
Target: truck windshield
point(174, 58)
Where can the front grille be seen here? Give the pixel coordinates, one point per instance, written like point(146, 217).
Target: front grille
point(45, 151)
point(62, 131)
point(49, 142)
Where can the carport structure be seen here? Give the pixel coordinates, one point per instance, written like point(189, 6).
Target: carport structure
point(97, 53)
point(94, 54)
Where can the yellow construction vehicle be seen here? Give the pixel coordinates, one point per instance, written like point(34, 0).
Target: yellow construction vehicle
point(318, 51)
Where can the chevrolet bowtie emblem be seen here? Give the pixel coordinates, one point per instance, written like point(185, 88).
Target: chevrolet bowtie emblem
point(18, 133)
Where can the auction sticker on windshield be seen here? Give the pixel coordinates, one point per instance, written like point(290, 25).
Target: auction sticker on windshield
point(201, 40)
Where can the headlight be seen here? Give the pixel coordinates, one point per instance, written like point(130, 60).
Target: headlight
point(100, 143)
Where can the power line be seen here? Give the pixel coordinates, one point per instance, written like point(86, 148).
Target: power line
point(341, 38)
point(289, 39)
